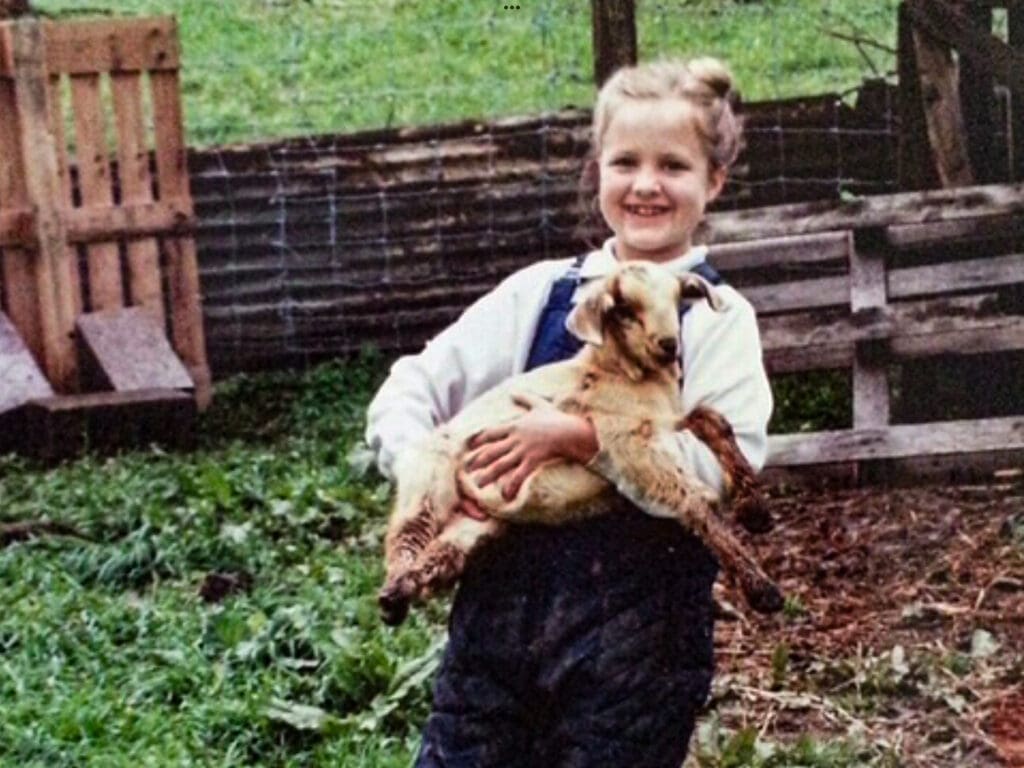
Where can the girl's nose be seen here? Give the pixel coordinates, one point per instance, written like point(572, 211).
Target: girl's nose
point(645, 182)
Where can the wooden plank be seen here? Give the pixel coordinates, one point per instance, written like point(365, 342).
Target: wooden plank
point(903, 283)
point(56, 111)
point(6, 52)
point(54, 301)
point(136, 187)
point(966, 324)
point(20, 377)
point(126, 349)
point(799, 294)
point(978, 100)
point(122, 45)
point(17, 227)
point(18, 275)
point(65, 426)
point(182, 267)
point(916, 168)
point(866, 212)
point(1015, 35)
point(137, 220)
point(908, 236)
point(613, 35)
point(868, 292)
point(105, 289)
point(803, 249)
point(897, 441)
point(939, 95)
point(93, 223)
point(988, 53)
point(956, 276)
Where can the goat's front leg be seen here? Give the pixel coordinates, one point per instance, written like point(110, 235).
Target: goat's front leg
point(747, 502)
point(645, 466)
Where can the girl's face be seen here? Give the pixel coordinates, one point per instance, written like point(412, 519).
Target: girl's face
point(655, 179)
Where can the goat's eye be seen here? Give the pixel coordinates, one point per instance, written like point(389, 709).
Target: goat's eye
point(624, 312)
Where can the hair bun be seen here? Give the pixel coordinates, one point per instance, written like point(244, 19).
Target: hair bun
point(713, 74)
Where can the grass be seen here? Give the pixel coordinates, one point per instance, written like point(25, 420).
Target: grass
point(261, 69)
point(111, 657)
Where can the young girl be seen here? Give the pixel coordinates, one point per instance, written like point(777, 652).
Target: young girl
point(589, 645)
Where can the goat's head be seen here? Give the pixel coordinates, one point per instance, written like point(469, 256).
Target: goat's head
point(634, 313)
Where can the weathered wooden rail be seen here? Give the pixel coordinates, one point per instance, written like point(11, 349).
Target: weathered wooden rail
point(865, 284)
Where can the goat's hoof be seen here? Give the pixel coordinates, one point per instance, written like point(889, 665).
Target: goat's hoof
point(752, 514)
point(764, 598)
point(394, 606)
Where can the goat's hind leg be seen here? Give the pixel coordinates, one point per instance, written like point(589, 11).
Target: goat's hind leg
point(408, 536)
point(648, 472)
point(441, 563)
point(746, 500)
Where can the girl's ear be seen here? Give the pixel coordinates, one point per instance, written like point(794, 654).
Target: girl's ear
point(716, 180)
point(586, 320)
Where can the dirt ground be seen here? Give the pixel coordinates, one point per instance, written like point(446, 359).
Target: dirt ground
point(904, 625)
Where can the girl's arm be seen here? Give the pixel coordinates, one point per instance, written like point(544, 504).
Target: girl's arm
point(480, 349)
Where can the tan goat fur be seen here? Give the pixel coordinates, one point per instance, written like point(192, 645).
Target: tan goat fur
point(625, 381)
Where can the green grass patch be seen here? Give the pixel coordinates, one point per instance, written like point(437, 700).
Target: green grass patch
point(263, 69)
point(111, 657)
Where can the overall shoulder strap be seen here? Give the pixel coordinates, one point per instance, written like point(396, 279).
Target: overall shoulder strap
point(551, 341)
point(709, 273)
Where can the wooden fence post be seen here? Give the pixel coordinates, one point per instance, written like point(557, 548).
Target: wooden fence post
point(1015, 22)
point(614, 36)
point(868, 300)
point(978, 101)
point(53, 260)
point(916, 169)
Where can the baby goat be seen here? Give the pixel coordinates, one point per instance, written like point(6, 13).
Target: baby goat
point(625, 381)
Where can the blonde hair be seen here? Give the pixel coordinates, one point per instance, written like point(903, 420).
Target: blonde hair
point(705, 83)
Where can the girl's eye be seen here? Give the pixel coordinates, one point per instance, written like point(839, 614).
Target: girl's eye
point(624, 162)
point(675, 165)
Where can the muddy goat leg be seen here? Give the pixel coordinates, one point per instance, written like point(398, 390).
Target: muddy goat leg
point(437, 567)
point(746, 500)
point(647, 472)
point(409, 536)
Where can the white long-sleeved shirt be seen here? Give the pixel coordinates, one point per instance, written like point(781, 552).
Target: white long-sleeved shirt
point(491, 340)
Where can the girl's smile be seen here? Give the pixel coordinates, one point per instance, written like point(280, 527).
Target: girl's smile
point(655, 179)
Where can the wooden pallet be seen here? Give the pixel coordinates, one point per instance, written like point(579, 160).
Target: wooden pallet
point(96, 216)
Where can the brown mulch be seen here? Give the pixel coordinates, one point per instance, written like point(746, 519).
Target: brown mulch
point(904, 624)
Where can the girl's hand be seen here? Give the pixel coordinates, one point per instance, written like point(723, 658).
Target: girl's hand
point(509, 453)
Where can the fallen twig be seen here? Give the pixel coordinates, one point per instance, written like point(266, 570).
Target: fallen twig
point(26, 529)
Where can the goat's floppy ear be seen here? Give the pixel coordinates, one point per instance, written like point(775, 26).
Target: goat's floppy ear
point(586, 320)
point(693, 286)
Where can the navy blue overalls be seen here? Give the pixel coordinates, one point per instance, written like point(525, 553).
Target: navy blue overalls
point(581, 646)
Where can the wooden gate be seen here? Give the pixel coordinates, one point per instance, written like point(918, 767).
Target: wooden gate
point(95, 211)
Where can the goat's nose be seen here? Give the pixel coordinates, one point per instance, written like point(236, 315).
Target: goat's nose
point(669, 346)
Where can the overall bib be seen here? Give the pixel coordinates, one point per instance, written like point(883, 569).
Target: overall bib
point(587, 645)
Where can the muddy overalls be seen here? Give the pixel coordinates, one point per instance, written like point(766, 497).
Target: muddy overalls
point(587, 645)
